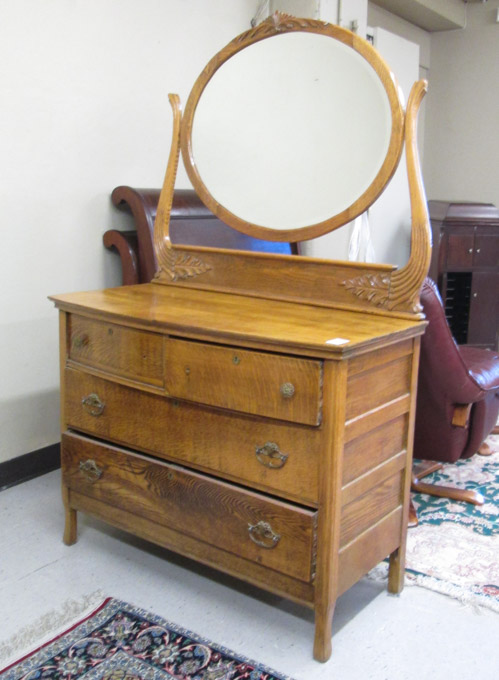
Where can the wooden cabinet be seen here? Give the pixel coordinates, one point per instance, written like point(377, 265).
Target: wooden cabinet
point(465, 265)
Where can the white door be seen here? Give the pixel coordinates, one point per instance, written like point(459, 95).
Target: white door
point(390, 215)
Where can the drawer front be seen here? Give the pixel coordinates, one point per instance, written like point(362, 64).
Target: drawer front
point(273, 533)
point(212, 440)
point(127, 352)
point(272, 385)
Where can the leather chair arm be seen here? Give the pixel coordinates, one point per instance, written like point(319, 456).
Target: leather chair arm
point(483, 366)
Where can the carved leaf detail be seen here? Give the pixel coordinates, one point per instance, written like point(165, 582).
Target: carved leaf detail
point(283, 21)
point(182, 265)
point(371, 287)
point(276, 22)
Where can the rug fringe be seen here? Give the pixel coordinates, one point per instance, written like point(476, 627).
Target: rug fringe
point(462, 594)
point(475, 601)
point(47, 627)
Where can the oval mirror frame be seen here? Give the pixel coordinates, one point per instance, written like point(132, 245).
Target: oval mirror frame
point(276, 25)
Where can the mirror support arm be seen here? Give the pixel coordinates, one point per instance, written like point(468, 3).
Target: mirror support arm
point(406, 282)
point(162, 243)
point(172, 264)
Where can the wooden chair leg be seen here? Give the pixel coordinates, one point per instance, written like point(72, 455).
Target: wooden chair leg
point(425, 468)
point(413, 516)
point(485, 450)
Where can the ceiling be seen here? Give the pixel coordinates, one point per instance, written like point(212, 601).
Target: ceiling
point(431, 15)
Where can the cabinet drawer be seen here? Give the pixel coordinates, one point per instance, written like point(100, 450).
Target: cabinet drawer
point(273, 533)
point(272, 385)
point(230, 445)
point(130, 353)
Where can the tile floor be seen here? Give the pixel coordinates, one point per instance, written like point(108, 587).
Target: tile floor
point(419, 635)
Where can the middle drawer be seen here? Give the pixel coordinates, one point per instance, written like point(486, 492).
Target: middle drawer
point(270, 455)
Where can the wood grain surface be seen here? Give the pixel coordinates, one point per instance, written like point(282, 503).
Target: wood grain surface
point(272, 385)
point(226, 318)
point(204, 508)
point(214, 441)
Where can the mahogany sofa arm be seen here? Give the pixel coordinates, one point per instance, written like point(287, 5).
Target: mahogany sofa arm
point(191, 223)
point(125, 242)
point(143, 204)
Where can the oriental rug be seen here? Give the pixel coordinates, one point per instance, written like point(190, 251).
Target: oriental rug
point(454, 549)
point(118, 641)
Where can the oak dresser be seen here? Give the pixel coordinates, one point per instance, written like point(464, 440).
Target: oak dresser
point(254, 411)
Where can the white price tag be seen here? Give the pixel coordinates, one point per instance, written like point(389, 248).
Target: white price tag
point(337, 341)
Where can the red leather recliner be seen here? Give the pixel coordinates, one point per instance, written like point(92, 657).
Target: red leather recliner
point(458, 397)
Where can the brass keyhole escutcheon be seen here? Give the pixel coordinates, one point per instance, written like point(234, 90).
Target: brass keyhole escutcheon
point(236, 360)
point(187, 370)
point(287, 390)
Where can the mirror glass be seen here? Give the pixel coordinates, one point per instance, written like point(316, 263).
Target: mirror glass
point(290, 131)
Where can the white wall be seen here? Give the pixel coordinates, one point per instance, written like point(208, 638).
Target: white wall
point(84, 88)
point(461, 137)
point(390, 214)
point(376, 16)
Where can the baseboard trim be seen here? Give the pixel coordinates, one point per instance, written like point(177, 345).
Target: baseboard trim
point(30, 465)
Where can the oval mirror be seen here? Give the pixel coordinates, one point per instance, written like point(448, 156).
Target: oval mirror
point(290, 136)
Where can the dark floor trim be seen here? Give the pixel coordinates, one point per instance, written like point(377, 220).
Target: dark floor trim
point(30, 465)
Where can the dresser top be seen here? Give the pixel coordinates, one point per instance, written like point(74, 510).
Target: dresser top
point(228, 318)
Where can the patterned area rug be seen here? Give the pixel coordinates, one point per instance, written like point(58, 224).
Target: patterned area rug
point(118, 641)
point(455, 548)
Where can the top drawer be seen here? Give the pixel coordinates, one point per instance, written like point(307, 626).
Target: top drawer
point(272, 385)
point(117, 350)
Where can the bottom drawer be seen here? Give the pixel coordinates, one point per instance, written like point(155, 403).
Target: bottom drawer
point(275, 534)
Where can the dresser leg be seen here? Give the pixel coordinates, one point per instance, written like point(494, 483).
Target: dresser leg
point(396, 571)
point(70, 519)
point(323, 632)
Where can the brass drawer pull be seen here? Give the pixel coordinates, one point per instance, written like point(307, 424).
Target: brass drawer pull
point(93, 405)
point(270, 456)
point(287, 390)
point(262, 535)
point(90, 470)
